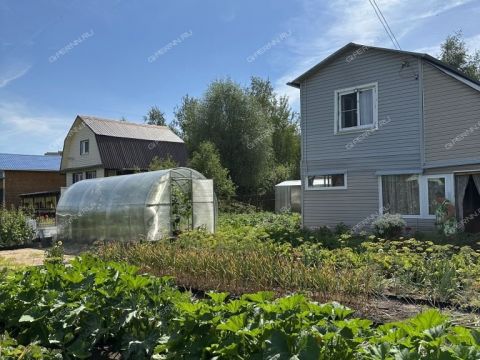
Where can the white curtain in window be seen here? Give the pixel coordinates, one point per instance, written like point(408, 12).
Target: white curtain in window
point(366, 107)
point(461, 182)
point(476, 179)
point(401, 194)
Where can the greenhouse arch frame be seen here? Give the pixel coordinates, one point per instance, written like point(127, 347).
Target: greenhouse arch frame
point(143, 206)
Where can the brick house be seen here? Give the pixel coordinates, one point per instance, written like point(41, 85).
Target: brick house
point(30, 180)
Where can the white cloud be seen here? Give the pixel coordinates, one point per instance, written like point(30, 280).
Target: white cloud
point(22, 132)
point(12, 75)
point(325, 27)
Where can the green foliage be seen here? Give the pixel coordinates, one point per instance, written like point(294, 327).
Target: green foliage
point(80, 308)
point(55, 254)
point(261, 251)
point(389, 226)
point(14, 230)
point(254, 131)
point(155, 117)
point(455, 53)
point(207, 161)
point(162, 163)
point(182, 210)
point(11, 350)
point(94, 306)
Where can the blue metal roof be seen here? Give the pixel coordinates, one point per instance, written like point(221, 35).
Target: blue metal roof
point(30, 162)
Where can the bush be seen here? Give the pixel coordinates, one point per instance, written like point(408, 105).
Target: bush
point(389, 226)
point(14, 230)
point(55, 254)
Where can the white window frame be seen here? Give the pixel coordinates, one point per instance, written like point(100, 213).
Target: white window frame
point(423, 193)
point(337, 105)
point(327, 188)
point(449, 191)
point(82, 147)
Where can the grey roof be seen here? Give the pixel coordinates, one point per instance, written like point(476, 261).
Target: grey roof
point(30, 162)
point(450, 70)
point(123, 129)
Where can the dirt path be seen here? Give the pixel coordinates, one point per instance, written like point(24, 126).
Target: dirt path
point(24, 257)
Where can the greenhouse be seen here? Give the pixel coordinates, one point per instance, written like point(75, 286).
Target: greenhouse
point(144, 206)
point(288, 196)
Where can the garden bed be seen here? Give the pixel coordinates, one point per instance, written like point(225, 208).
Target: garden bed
point(270, 252)
point(91, 308)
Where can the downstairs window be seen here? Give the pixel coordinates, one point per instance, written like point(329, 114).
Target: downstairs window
point(328, 181)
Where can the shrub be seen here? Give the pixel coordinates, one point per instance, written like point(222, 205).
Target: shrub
point(55, 254)
point(14, 230)
point(389, 225)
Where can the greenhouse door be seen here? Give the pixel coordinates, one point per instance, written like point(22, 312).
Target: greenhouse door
point(203, 203)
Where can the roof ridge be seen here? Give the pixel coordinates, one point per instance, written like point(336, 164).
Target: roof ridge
point(120, 121)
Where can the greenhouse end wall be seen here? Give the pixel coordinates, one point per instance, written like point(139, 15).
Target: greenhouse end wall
point(135, 207)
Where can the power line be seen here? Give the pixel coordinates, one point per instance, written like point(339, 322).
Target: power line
point(384, 23)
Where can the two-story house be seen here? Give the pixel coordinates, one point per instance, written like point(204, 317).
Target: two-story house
point(97, 147)
point(387, 131)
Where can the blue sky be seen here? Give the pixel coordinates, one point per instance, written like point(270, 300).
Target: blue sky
point(117, 58)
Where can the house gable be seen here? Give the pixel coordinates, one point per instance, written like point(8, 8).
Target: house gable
point(71, 158)
point(399, 98)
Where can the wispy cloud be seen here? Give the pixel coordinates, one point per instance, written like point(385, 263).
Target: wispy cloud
point(351, 21)
point(23, 132)
point(10, 76)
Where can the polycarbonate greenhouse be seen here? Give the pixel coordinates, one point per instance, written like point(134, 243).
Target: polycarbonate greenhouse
point(148, 206)
point(288, 196)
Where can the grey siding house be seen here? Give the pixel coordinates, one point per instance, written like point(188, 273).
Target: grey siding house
point(384, 131)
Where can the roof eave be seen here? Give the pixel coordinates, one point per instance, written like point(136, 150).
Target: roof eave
point(296, 82)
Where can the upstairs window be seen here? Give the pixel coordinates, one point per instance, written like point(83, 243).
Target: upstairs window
point(328, 181)
point(356, 108)
point(84, 147)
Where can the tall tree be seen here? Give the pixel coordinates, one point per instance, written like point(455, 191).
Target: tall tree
point(185, 114)
point(155, 117)
point(455, 53)
point(283, 126)
point(229, 118)
point(207, 161)
point(254, 130)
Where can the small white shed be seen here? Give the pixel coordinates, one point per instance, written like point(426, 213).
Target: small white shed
point(288, 196)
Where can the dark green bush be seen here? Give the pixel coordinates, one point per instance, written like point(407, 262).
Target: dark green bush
point(14, 230)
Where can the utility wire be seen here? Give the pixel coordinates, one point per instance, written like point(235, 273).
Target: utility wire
point(384, 23)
